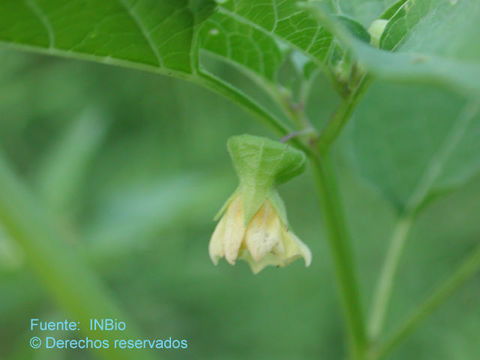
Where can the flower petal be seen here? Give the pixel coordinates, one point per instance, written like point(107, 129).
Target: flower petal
point(295, 248)
point(216, 247)
point(258, 266)
point(263, 232)
point(234, 230)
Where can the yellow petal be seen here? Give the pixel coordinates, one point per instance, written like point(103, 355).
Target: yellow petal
point(263, 232)
point(234, 230)
point(256, 266)
point(294, 249)
point(216, 247)
point(304, 251)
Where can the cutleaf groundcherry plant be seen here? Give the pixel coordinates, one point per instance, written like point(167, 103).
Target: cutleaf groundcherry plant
point(253, 225)
point(286, 49)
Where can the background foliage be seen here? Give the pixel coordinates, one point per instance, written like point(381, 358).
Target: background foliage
point(133, 166)
point(143, 211)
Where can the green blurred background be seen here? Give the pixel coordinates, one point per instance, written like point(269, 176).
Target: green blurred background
point(134, 167)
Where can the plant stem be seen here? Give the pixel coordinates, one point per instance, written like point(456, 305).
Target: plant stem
point(329, 197)
point(236, 96)
point(342, 255)
point(469, 267)
point(57, 264)
point(337, 234)
point(341, 116)
point(387, 276)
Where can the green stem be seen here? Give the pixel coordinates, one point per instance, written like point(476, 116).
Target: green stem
point(387, 276)
point(342, 255)
point(294, 111)
point(236, 96)
point(329, 197)
point(469, 267)
point(336, 124)
point(57, 265)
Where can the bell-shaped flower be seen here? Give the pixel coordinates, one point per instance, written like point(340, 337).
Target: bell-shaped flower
point(253, 224)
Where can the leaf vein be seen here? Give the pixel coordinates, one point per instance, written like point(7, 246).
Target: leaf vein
point(435, 167)
point(33, 5)
point(143, 31)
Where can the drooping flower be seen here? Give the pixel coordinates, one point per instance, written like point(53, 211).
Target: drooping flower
point(253, 225)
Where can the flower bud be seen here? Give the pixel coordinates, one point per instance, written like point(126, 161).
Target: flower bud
point(253, 224)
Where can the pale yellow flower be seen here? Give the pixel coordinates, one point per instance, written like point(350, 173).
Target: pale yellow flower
point(264, 241)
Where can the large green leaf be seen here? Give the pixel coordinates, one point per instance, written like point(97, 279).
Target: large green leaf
point(416, 141)
point(255, 33)
point(436, 41)
point(242, 44)
point(258, 35)
point(284, 21)
point(164, 35)
point(157, 34)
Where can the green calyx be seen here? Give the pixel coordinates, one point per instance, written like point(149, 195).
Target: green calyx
point(261, 164)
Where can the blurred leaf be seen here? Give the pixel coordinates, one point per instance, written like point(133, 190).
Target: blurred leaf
point(355, 28)
point(11, 257)
point(405, 18)
point(392, 10)
point(132, 214)
point(437, 44)
point(411, 152)
point(303, 64)
point(64, 167)
point(340, 60)
point(364, 11)
point(54, 262)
